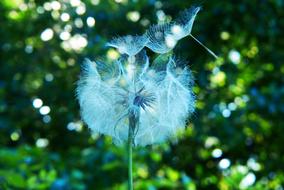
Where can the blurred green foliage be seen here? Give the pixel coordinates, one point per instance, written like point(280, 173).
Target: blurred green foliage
point(233, 141)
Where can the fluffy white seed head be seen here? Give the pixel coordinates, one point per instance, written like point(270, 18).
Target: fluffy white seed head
point(162, 96)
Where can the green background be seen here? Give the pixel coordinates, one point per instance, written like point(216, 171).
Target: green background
point(234, 140)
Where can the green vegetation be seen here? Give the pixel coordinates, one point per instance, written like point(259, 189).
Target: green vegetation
point(233, 141)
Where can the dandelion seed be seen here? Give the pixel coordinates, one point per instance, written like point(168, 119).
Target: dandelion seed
point(186, 19)
point(129, 45)
point(157, 35)
point(163, 37)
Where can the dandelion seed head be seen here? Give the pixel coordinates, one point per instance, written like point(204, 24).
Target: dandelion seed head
point(159, 94)
point(163, 102)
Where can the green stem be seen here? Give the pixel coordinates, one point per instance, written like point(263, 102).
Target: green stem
point(132, 123)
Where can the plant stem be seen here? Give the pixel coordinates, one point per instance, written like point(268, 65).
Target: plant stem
point(132, 123)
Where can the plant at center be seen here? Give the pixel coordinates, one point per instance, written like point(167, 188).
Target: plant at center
point(135, 100)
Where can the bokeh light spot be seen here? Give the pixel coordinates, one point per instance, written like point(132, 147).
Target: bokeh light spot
point(47, 6)
point(15, 136)
point(224, 163)
point(64, 35)
point(217, 153)
point(46, 119)
point(232, 106)
point(235, 56)
point(112, 54)
point(65, 17)
point(29, 49)
point(42, 142)
point(225, 35)
point(133, 16)
point(226, 113)
point(95, 2)
point(37, 103)
point(75, 3)
point(251, 163)
point(91, 21)
point(78, 23)
point(211, 141)
point(119, 1)
point(80, 10)
point(75, 126)
point(247, 181)
point(44, 110)
point(142, 172)
point(78, 42)
point(47, 34)
point(55, 5)
point(218, 79)
point(49, 77)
